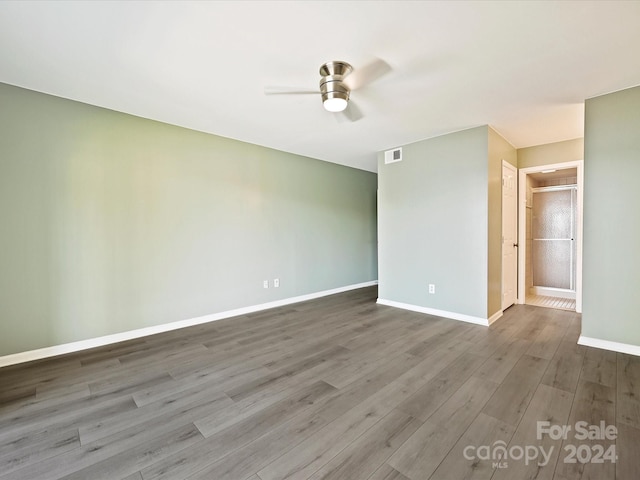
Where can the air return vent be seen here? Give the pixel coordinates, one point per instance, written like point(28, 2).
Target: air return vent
point(392, 156)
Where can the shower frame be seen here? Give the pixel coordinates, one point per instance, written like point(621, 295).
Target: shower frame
point(522, 243)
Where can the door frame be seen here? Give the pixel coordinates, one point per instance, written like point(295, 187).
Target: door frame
point(522, 228)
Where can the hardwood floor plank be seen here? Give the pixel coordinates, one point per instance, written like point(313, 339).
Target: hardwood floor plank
point(186, 406)
point(35, 403)
point(502, 360)
point(628, 388)
point(438, 390)
point(421, 454)
point(547, 342)
point(592, 403)
point(627, 465)
point(134, 476)
point(225, 417)
point(309, 455)
point(140, 456)
point(111, 352)
point(486, 344)
point(385, 472)
point(250, 458)
point(443, 332)
point(564, 369)
point(463, 461)
point(366, 454)
point(573, 332)
point(63, 393)
point(25, 451)
point(599, 366)
point(550, 405)
point(213, 378)
point(38, 371)
point(345, 371)
point(124, 383)
point(512, 397)
point(10, 395)
point(62, 417)
point(388, 331)
point(302, 348)
point(65, 382)
point(537, 319)
point(191, 461)
point(87, 455)
point(284, 375)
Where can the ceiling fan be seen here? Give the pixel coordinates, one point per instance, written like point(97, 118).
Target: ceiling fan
point(337, 80)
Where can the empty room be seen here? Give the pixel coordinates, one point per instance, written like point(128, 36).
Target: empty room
point(319, 240)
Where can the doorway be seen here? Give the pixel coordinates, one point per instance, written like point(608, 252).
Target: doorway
point(550, 236)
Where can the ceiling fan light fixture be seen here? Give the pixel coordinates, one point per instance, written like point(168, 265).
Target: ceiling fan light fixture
point(337, 102)
point(335, 94)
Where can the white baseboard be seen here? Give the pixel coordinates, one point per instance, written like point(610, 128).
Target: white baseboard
point(495, 317)
point(439, 313)
point(608, 345)
point(166, 327)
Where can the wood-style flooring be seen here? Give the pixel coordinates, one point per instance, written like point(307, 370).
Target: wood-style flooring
point(335, 388)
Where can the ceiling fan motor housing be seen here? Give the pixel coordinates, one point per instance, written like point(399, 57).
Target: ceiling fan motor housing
point(331, 83)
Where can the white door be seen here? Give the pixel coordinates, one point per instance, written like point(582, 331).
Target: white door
point(509, 234)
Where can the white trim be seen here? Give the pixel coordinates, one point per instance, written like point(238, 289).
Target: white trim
point(494, 317)
point(522, 215)
point(555, 188)
point(439, 313)
point(608, 345)
point(166, 327)
point(553, 292)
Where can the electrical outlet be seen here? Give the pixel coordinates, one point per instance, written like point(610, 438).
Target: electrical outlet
point(265, 284)
point(432, 288)
point(276, 282)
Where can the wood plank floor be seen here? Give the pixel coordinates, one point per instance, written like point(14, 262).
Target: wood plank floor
point(335, 388)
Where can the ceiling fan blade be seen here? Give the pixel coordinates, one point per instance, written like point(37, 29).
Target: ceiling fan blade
point(352, 113)
point(289, 91)
point(367, 74)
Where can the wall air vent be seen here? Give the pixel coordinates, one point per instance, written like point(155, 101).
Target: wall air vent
point(392, 156)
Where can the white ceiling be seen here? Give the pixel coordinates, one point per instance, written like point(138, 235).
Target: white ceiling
point(523, 67)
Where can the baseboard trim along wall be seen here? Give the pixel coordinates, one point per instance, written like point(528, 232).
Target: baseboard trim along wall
point(608, 345)
point(495, 317)
point(442, 313)
point(143, 332)
point(553, 292)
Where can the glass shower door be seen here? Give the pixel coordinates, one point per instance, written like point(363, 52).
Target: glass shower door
point(554, 246)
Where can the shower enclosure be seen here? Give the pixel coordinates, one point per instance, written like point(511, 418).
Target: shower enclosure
point(554, 240)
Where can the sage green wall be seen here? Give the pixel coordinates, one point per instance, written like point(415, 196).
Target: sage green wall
point(557, 152)
point(611, 264)
point(499, 149)
point(432, 223)
point(111, 222)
